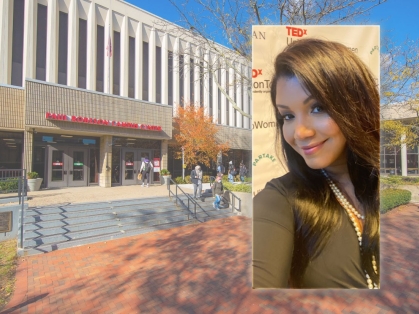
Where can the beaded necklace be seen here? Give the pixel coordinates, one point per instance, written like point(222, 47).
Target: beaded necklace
point(352, 213)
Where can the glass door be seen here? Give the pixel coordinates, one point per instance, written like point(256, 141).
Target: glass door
point(143, 154)
point(129, 171)
point(57, 168)
point(77, 166)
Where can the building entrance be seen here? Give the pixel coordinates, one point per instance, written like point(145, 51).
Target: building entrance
point(131, 163)
point(66, 166)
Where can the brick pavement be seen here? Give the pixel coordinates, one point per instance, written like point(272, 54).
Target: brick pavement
point(204, 268)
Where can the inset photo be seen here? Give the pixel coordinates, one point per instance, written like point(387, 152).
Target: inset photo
point(316, 157)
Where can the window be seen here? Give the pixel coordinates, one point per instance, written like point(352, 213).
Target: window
point(131, 68)
point(17, 45)
point(170, 78)
point(41, 43)
point(181, 69)
point(82, 60)
point(191, 81)
point(116, 56)
point(145, 70)
point(158, 75)
point(100, 58)
point(62, 48)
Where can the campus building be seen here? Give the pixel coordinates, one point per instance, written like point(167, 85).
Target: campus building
point(88, 89)
point(399, 160)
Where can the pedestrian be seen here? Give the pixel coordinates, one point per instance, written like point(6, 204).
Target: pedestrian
point(145, 169)
point(217, 191)
point(242, 172)
point(231, 172)
point(318, 226)
point(220, 168)
point(196, 178)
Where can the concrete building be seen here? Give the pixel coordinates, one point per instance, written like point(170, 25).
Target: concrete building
point(401, 160)
point(88, 89)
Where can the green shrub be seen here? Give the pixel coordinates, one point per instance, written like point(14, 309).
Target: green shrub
point(10, 185)
point(164, 172)
point(179, 180)
point(238, 187)
point(394, 181)
point(33, 175)
point(391, 198)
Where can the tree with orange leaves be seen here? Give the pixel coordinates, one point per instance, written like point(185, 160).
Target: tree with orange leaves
point(196, 133)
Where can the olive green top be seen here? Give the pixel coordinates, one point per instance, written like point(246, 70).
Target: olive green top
point(337, 266)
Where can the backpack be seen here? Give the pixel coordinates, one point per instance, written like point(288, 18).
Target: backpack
point(232, 170)
point(147, 167)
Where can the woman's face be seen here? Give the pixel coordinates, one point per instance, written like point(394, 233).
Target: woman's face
point(308, 128)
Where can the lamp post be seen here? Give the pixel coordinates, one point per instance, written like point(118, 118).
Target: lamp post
point(183, 163)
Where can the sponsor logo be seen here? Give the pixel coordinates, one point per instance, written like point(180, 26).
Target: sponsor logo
point(296, 31)
point(256, 73)
point(263, 156)
point(80, 119)
point(259, 35)
point(263, 124)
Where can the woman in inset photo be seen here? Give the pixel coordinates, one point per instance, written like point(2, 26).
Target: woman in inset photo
point(318, 225)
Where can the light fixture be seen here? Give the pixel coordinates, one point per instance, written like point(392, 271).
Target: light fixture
point(131, 139)
point(8, 139)
point(117, 145)
point(66, 135)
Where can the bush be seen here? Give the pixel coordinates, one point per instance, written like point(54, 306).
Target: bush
point(391, 198)
point(394, 181)
point(164, 172)
point(10, 185)
point(179, 180)
point(32, 175)
point(238, 187)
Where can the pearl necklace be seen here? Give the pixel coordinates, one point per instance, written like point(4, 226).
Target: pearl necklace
point(352, 213)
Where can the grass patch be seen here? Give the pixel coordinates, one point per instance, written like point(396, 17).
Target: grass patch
point(8, 264)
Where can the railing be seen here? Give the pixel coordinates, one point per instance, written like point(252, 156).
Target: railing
point(14, 181)
point(177, 198)
point(226, 199)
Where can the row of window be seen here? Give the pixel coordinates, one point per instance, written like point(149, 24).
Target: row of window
point(41, 60)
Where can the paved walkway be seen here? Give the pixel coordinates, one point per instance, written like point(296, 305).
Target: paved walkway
point(205, 268)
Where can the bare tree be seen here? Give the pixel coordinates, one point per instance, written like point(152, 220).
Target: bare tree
point(206, 19)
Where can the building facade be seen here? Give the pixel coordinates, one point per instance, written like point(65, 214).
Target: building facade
point(399, 160)
point(88, 90)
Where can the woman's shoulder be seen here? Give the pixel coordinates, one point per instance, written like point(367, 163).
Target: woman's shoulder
point(285, 186)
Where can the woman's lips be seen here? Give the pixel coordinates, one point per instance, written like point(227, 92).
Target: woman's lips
point(311, 149)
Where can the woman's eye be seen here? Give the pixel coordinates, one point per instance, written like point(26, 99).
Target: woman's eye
point(317, 109)
point(286, 116)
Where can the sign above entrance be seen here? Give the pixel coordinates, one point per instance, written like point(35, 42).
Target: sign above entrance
point(79, 119)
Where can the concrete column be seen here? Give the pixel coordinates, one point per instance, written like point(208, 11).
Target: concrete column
point(29, 41)
point(215, 67)
point(139, 61)
point(152, 66)
point(246, 105)
point(91, 48)
point(186, 73)
point(165, 70)
point(206, 80)
point(176, 96)
point(239, 95)
point(105, 162)
point(231, 90)
point(28, 150)
point(6, 11)
point(72, 65)
point(197, 76)
point(52, 42)
point(403, 156)
point(124, 57)
point(108, 77)
point(164, 154)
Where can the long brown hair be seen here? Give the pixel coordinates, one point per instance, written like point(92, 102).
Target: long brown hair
point(342, 83)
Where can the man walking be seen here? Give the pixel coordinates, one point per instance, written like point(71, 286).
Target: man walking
point(196, 178)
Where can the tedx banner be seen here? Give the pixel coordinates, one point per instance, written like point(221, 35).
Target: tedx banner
point(267, 43)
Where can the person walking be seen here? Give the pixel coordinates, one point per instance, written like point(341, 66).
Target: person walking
point(196, 178)
point(242, 172)
point(145, 170)
point(217, 191)
point(231, 172)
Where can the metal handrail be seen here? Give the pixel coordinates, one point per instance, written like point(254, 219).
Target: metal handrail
point(234, 196)
point(190, 199)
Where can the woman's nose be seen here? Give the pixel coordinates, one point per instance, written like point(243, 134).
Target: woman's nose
point(303, 130)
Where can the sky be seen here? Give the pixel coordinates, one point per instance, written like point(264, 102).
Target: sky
point(398, 19)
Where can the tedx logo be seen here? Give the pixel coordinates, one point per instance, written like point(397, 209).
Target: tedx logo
point(296, 31)
point(256, 73)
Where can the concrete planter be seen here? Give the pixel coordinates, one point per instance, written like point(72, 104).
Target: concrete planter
point(165, 179)
point(34, 184)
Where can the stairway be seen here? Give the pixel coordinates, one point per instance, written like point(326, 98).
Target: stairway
point(51, 228)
